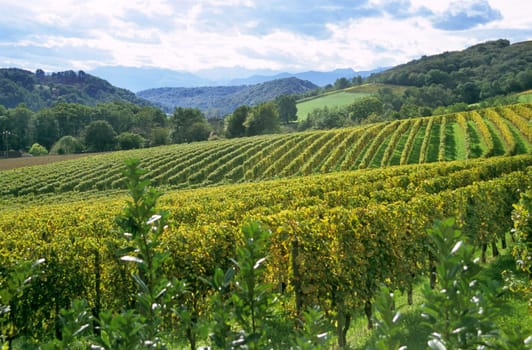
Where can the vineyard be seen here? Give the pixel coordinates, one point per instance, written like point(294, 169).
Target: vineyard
point(358, 201)
point(484, 133)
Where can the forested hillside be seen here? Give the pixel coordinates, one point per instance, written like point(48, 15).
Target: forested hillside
point(476, 73)
point(39, 90)
point(222, 100)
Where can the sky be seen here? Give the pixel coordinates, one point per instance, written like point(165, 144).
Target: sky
point(278, 35)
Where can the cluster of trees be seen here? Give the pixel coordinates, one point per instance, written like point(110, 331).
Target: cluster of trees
point(72, 128)
point(264, 118)
point(339, 84)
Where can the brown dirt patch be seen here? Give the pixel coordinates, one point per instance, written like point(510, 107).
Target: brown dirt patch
point(12, 163)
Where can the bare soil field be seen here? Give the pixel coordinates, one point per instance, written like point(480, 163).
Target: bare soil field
point(12, 163)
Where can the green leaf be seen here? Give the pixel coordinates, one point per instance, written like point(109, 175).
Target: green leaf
point(141, 283)
point(229, 274)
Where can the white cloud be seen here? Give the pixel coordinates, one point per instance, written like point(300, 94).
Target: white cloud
point(392, 41)
point(199, 34)
point(516, 14)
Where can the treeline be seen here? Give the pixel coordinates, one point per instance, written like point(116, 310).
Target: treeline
point(67, 128)
point(72, 128)
point(265, 118)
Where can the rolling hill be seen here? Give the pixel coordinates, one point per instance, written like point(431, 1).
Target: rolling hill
point(221, 100)
point(40, 90)
point(478, 72)
point(502, 131)
point(358, 200)
point(341, 98)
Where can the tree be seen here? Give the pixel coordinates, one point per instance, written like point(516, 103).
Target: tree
point(67, 145)
point(159, 136)
point(199, 131)
point(72, 117)
point(263, 119)
point(118, 114)
point(11, 94)
point(341, 83)
point(470, 92)
point(436, 76)
point(129, 140)
point(46, 128)
point(100, 136)
point(39, 74)
point(357, 80)
point(234, 124)
point(19, 121)
point(183, 119)
point(409, 110)
point(287, 108)
point(148, 118)
point(364, 107)
point(326, 118)
point(525, 79)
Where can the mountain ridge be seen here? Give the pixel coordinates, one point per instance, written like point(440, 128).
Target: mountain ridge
point(218, 101)
point(481, 71)
point(145, 78)
point(39, 90)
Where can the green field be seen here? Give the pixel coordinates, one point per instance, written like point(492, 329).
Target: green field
point(357, 200)
point(341, 98)
point(335, 99)
point(525, 97)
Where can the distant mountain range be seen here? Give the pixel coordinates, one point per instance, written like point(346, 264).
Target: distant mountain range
point(143, 78)
point(484, 70)
point(219, 101)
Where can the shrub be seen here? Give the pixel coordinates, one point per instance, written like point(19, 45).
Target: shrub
point(38, 150)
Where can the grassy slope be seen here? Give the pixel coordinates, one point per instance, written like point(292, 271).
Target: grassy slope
point(341, 97)
point(336, 99)
point(525, 97)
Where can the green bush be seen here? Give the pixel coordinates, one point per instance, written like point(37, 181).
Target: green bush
point(38, 150)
